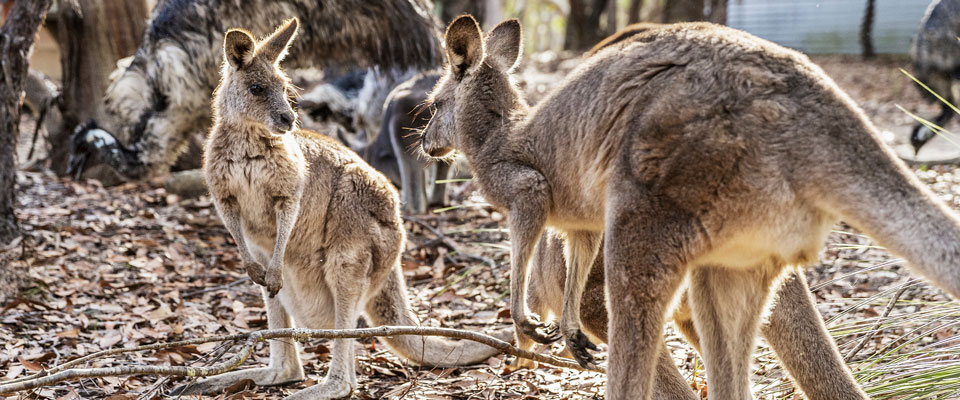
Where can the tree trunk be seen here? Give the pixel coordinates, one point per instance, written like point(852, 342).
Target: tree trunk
point(683, 10)
point(583, 24)
point(93, 35)
point(866, 31)
point(718, 12)
point(16, 38)
point(611, 17)
point(633, 12)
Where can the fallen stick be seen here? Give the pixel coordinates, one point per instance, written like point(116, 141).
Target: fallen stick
point(65, 372)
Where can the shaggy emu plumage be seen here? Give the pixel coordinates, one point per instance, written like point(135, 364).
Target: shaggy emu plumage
point(162, 94)
point(936, 62)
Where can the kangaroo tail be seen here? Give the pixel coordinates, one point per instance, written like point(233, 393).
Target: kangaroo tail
point(390, 307)
point(871, 189)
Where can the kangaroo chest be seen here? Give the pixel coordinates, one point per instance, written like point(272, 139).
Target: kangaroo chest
point(257, 180)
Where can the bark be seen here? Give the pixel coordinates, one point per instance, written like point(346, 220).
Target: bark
point(866, 30)
point(93, 35)
point(66, 371)
point(493, 13)
point(451, 9)
point(16, 38)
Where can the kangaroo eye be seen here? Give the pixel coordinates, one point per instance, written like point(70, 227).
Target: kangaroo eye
point(256, 89)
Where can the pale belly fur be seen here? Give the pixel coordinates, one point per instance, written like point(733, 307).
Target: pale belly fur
point(794, 238)
point(305, 294)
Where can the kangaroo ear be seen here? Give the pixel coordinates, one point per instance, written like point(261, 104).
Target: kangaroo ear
point(504, 45)
point(238, 46)
point(274, 48)
point(464, 44)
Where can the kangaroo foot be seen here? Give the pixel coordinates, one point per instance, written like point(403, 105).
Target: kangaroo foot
point(329, 388)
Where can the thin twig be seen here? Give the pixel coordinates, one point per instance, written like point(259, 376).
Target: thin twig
point(873, 331)
point(62, 373)
point(443, 238)
point(216, 288)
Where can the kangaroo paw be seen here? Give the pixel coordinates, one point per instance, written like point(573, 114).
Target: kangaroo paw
point(578, 344)
point(544, 333)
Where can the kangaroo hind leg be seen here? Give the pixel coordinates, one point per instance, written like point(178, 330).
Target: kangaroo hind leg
point(285, 365)
point(348, 290)
point(646, 249)
point(727, 304)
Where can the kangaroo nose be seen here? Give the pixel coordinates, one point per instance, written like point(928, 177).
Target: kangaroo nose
point(284, 120)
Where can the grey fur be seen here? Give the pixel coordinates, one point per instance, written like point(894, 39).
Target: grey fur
point(314, 224)
point(794, 328)
point(707, 157)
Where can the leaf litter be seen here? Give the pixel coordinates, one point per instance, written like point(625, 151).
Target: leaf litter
point(132, 265)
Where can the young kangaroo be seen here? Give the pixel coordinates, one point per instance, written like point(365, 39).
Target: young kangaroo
point(794, 328)
point(704, 155)
point(314, 224)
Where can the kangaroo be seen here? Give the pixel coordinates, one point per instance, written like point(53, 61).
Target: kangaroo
point(794, 328)
point(623, 36)
point(314, 224)
point(155, 101)
point(391, 151)
point(707, 157)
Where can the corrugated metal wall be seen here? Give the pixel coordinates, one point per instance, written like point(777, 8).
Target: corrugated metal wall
point(828, 26)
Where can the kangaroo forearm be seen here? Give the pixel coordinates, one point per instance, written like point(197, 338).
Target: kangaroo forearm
point(581, 249)
point(526, 225)
point(286, 218)
point(231, 220)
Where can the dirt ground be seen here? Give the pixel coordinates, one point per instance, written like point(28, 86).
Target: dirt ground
point(132, 265)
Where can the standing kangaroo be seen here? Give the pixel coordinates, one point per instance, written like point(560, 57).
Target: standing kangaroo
point(794, 328)
point(325, 225)
point(392, 151)
point(705, 156)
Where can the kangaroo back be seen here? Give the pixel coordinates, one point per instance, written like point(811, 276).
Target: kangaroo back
point(390, 307)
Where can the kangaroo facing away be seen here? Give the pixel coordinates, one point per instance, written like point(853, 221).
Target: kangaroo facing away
point(392, 149)
point(706, 157)
point(794, 328)
point(316, 225)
